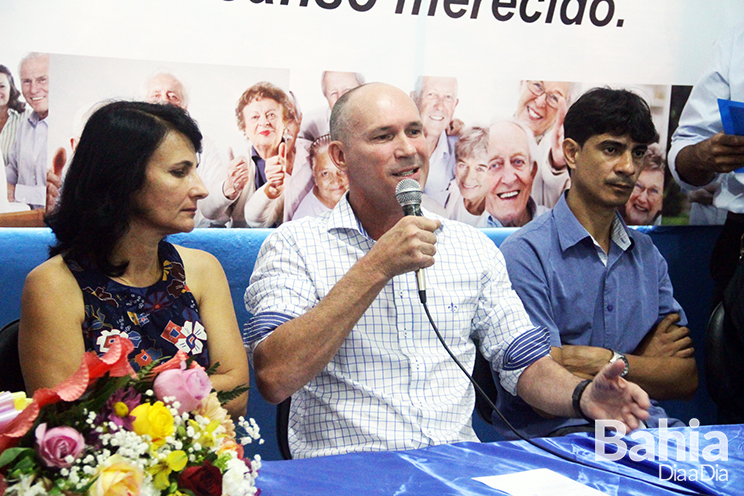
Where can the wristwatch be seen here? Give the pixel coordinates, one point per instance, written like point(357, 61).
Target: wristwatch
point(616, 355)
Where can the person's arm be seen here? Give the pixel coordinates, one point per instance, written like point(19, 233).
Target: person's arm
point(296, 351)
point(698, 164)
point(206, 280)
point(663, 363)
point(548, 387)
point(700, 151)
point(50, 340)
point(662, 377)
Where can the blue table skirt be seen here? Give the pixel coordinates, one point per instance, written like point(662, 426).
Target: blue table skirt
point(449, 469)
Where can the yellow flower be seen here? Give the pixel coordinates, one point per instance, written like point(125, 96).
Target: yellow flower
point(176, 460)
point(118, 478)
point(206, 435)
point(155, 420)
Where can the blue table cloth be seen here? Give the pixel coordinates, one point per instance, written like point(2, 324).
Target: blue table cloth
point(449, 469)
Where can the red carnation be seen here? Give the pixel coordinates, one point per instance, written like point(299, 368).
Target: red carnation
point(205, 480)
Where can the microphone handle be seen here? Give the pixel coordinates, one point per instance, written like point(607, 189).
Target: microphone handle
point(412, 209)
point(415, 210)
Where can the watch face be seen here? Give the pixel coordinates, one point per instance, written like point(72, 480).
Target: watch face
point(619, 356)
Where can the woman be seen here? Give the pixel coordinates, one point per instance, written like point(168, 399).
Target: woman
point(132, 182)
point(466, 200)
point(263, 112)
point(11, 111)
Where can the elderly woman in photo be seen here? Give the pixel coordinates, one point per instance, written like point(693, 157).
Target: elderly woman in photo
point(263, 113)
point(466, 198)
point(131, 183)
point(11, 111)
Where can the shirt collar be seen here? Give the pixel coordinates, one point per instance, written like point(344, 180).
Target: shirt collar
point(571, 232)
point(33, 118)
point(442, 149)
point(342, 217)
point(492, 221)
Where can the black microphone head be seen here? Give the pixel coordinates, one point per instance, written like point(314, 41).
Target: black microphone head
point(408, 192)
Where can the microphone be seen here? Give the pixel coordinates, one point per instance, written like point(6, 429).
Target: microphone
point(408, 193)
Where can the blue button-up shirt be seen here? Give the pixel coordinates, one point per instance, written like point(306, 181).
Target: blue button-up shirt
point(583, 296)
point(27, 163)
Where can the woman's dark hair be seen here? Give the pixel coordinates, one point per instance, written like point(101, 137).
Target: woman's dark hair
point(107, 170)
point(13, 101)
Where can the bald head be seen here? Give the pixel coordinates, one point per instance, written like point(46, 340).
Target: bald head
point(165, 88)
point(378, 140)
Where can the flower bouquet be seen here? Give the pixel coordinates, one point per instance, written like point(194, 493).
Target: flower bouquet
point(108, 431)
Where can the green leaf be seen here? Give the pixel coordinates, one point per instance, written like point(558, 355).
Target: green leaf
point(12, 454)
point(227, 396)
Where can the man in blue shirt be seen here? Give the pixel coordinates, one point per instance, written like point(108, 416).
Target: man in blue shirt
point(601, 289)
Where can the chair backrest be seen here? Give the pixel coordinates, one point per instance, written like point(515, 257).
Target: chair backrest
point(715, 370)
point(11, 378)
point(282, 428)
point(484, 377)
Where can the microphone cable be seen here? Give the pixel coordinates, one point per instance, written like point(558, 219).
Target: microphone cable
point(479, 390)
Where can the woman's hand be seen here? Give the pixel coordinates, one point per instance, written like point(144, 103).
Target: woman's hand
point(276, 168)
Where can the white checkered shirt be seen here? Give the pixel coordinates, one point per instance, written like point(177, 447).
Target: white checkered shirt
point(391, 386)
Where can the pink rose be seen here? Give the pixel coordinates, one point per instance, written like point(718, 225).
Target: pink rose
point(54, 446)
point(189, 387)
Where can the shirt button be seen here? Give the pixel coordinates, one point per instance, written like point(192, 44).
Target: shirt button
point(609, 308)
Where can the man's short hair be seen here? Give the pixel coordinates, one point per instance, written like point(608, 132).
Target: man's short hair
point(615, 112)
point(419, 86)
point(529, 136)
point(185, 97)
point(340, 116)
point(358, 75)
point(473, 140)
point(31, 56)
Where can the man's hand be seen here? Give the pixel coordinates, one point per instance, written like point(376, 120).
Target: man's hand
point(667, 340)
point(557, 135)
point(276, 167)
point(408, 246)
point(584, 361)
point(721, 152)
point(610, 397)
point(455, 127)
point(54, 179)
point(238, 173)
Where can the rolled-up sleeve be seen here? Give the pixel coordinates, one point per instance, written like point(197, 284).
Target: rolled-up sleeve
point(508, 339)
point(280, 289)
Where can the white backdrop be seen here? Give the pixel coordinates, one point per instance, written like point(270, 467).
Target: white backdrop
point(106, 48)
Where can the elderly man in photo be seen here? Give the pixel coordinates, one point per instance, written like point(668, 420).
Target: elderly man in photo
point(436, 99)
point(224, 180)
point(334, 85)
point(511, 172)
point(601, 290)
point(26, 170)
point(337, 322)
